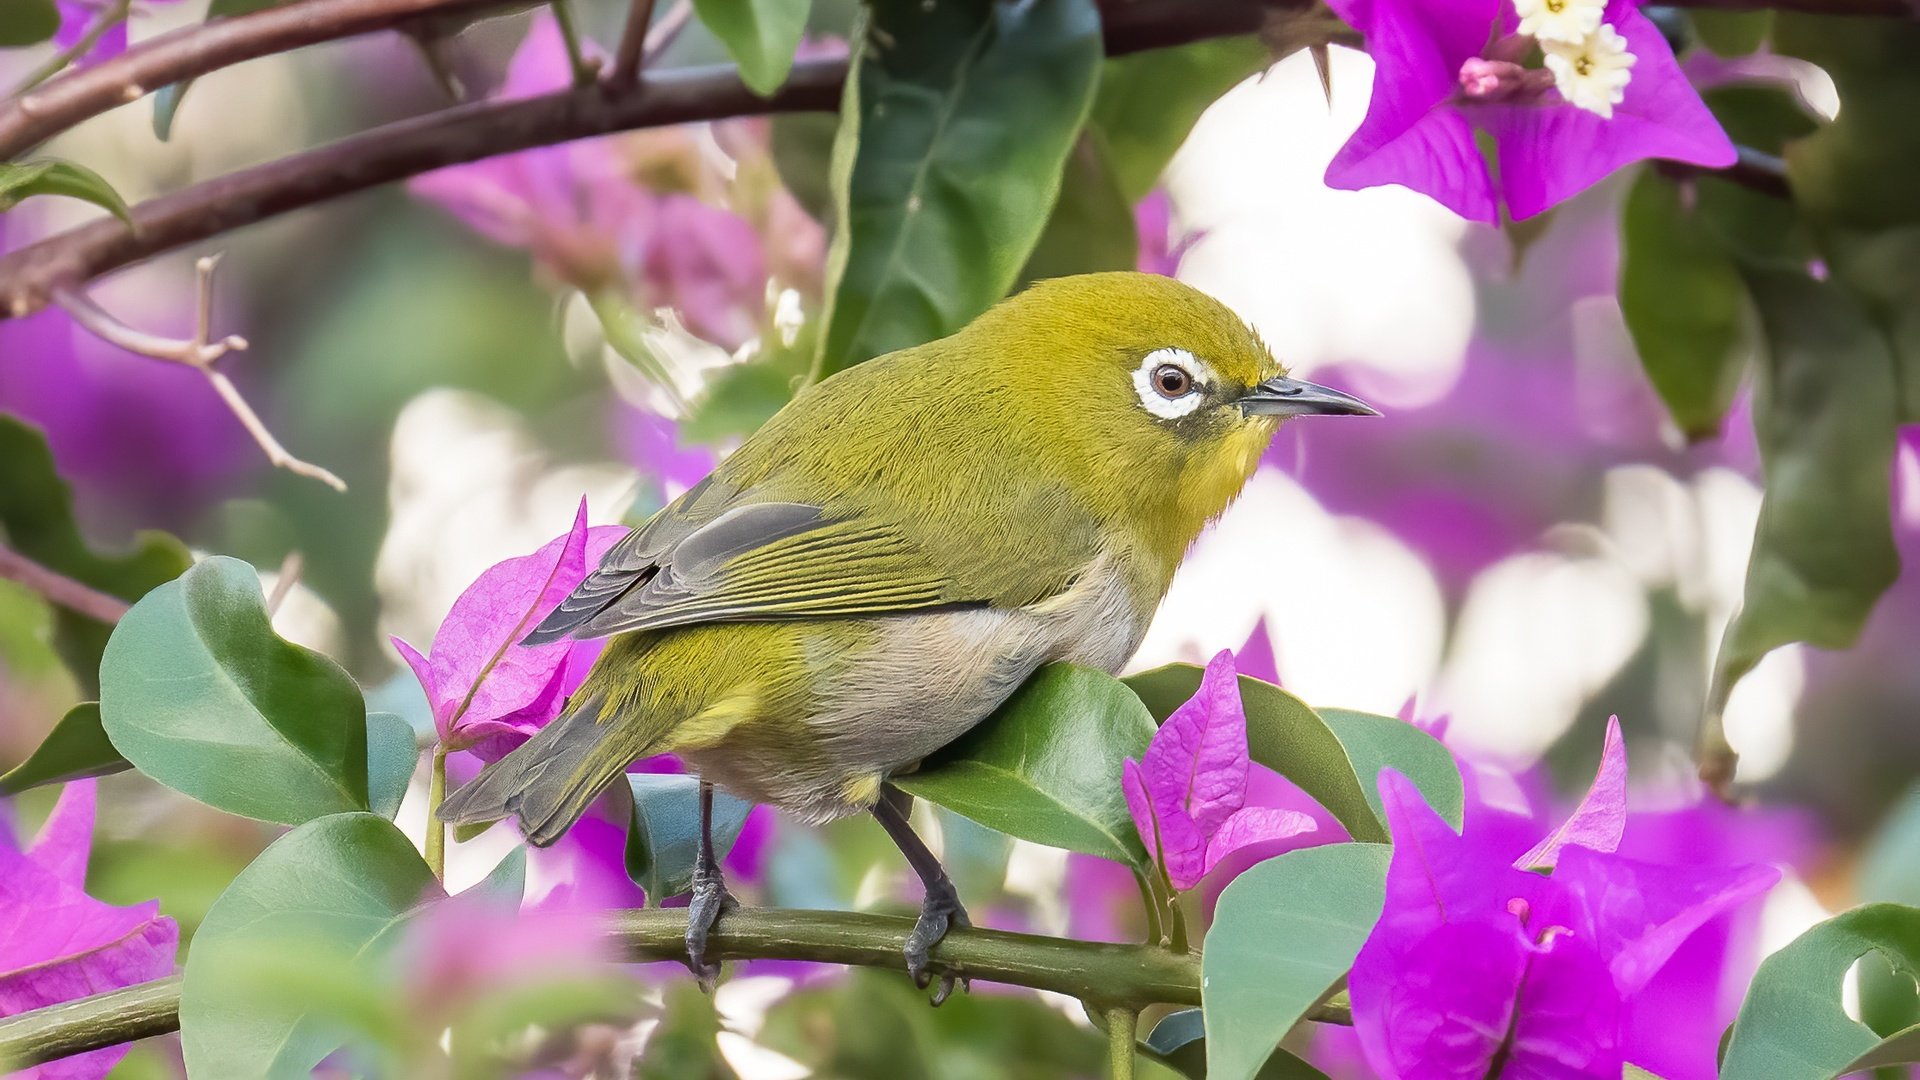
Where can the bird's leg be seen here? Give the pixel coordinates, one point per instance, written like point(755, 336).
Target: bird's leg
point(710, 897)
point(941, 909)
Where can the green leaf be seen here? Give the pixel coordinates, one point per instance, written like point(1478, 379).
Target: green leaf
point(1284, 735)
point(1685, 305)
point(27, 22)
point(200, 694)
point(330, 891)
point(1149, 101)
point(1045, 767)
point(1883, 269)
point(957, 119)
point(75, 749)
point(1762, 116)
point(1731, 33)
point(36, 513)
point(1377, 742)
point(1824, 413)
point(663, 836)
point(744, 396)
point(53, 176)
point(1792, 1025)
point(392, 755)
point(1091, 227)
point(760, 35)
point(1283, 936)
point(803, 156)
point(1859, 169)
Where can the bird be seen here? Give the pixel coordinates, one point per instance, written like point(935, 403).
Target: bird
point(886, 560)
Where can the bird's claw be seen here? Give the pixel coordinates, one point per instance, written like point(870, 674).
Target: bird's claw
point(941, 912)
point(710, 900)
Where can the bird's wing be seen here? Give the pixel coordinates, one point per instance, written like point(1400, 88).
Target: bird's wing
point(721, 557)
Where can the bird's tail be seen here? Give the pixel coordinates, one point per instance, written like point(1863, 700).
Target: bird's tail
point(550, 781)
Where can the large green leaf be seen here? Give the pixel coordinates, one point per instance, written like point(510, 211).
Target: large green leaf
point(1883, 268)
point(1859, 169)
point(27, 22)
point(1792, 1025)
point(200, 694)
point(760, 35)
point(76, 748)
point(36, 514)
point(332, 891)
point(1283, 936)
point(1149, 101)
point(1091, 227)
point(957, 119)
point(392, 755)
point(1046, 765)
point(52, 176)
point(1376, 742)
point(1685, 305)
point(1824, 412)
point(1284, 735)
point(663, 837)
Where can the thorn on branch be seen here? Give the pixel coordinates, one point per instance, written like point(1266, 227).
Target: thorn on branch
point(198, 352)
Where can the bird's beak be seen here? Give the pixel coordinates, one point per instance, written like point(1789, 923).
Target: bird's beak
point(1297, 397)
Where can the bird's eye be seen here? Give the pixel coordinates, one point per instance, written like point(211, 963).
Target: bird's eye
point(1172, 381)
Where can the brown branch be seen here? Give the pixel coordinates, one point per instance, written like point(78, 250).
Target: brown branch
point(70, 594)
point(61, 103)
point(198, 352)
point(633, 40)
point(29, 276)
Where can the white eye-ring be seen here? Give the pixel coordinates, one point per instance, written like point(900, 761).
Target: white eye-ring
point(1171, 382)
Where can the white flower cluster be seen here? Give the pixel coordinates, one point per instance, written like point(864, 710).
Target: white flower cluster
point(1588, 58)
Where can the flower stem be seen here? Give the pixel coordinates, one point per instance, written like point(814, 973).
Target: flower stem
point(109, 18)
point(1151, 901)
point(436, 829)
point(584, 73)
point(1121, 1023)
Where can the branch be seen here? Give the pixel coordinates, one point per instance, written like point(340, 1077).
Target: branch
point(633, 43)
point(198, 352)
point(1111, 976)
point(478, 130)
point(70, 594)
point(192, 51)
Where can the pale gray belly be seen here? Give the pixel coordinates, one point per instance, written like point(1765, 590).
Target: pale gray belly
point(930, 679)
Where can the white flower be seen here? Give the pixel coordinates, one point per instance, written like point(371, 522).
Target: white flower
point(1592, 74)
point(1571, 21)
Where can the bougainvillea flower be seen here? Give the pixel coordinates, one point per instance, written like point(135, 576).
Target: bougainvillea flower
point(1477, 968)
point(1188, 793)
point(78, 18)
point(57, 943)
point(1600, 820)
point(580, 210)
point(1162, 243)
point(489, 693)
point(1605, 98)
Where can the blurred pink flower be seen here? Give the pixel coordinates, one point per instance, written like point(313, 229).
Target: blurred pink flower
point(489, 693)
point(1437, 79)
point(57, 943)
point(1601, 818)
point(580, 209)
point(77, 17)
point(1475, 961)
point(1161, 248)
point(1188, 794)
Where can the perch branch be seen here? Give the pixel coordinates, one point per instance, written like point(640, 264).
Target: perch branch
point(60, 589)
point(198, 352)
point(1121, 977)
point(61, 103)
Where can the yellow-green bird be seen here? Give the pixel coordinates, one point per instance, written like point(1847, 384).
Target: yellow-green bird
point(883, 563)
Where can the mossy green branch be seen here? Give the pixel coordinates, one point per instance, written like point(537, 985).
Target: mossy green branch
point(1111, 977)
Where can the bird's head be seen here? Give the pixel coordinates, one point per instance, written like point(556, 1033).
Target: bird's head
point(1167, 396)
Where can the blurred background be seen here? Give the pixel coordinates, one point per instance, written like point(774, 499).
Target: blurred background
point(1523, 545)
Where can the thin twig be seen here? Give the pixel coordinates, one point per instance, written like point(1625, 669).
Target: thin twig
point(284, 581)
point(192, 51)
point(663, 33)
point(198, 352)
point(73, 595)
point(109, 18)
point(633, 39)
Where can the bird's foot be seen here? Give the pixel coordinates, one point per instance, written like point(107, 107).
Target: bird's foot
point(710, 901)
point(940, 912)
